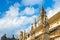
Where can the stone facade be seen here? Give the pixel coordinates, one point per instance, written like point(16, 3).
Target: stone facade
point(47, 29)
point(6, 38)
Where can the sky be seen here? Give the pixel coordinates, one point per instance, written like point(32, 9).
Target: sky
point(18, 15)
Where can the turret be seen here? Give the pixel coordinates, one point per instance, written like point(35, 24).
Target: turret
point(43, 17)
point(31, 29)
point(4, 37)
point(42, 14)
point(34, 24)
point(21, 35)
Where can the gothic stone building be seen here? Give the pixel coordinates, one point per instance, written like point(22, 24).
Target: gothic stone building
point(6, 38)
point(47, 29)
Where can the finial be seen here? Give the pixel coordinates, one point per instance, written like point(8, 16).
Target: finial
point(32, 26)
point(25, 31)
point(13, 35)
point(42, 6)
point(42, 10)
point(35, 20)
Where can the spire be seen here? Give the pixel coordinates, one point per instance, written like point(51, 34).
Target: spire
point(21, 35)
point(34, 23)
point(42, 8)
point(31, 27)
point(42, 16)
point(13, 37)
point(42, 11)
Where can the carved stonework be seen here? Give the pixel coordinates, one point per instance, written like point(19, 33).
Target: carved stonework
point(6, 38)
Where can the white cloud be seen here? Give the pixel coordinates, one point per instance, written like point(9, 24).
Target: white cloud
point(7, 22)
point(31, 2)
point(11, 22)
point(13, 11)
point(28, 11)
point(54, 10)
point(7, 25)
point(10, 17)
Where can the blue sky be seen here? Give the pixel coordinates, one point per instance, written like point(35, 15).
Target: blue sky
point(18, 15)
